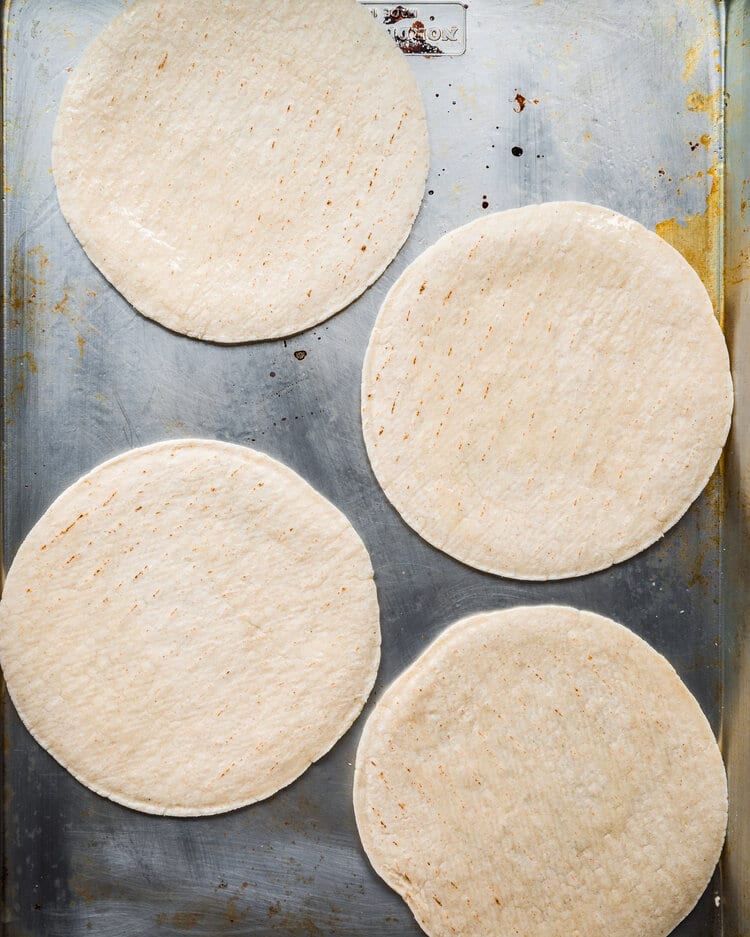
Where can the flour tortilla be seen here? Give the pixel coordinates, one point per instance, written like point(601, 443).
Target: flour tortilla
point(541, 771)
point(546, 391)
point(241, 169)
point(188, 627)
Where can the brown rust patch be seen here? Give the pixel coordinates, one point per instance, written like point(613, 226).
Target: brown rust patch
point(20, 366)
point(28, 290)
point(414, 40)
point(28, 359)
point(397, 14)
point(184, 920)
point(520, 102)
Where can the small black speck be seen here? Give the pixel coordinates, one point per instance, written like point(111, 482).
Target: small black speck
point(437, 94)
point(453, 102)
point(431, 192)
point(485, 204)
point(486, 167)
point(516, 151)
point(272, 374)
point(432, 19)
point(283, 419)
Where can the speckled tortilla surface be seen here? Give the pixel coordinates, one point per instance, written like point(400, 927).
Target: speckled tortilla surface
point(541, 771)
point(241, 169)
point(189, 626)
point(546, 391)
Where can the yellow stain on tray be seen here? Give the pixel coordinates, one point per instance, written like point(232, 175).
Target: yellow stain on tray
point(700, 103)
point(81, 345)
point(696, 238)
point(692, 57)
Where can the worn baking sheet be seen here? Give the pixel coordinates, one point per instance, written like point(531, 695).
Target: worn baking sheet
point(611, 102)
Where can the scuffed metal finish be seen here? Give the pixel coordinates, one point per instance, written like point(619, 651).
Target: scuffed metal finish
point(616, 103)
point(736, 534)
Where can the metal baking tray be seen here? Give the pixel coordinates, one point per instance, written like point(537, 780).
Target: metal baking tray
point(640, 106)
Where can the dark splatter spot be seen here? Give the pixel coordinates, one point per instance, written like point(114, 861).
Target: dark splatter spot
point(520, 103)
point(272, 374)
point(516, 150)
point(431, 192)
point(300, 355)
point(414, 40)
point(485, 203)
point(397, 14)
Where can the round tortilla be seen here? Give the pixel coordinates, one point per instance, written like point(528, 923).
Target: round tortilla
point(241, 169)
point(541, 771)
point(188, 627)
point(546, 391)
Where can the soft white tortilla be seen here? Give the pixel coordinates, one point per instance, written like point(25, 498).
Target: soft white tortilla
point(541, 771)
point(188, 627)
point(241, 169)
point(546, 391)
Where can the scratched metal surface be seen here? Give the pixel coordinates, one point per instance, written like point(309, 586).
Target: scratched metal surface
point(611, 102)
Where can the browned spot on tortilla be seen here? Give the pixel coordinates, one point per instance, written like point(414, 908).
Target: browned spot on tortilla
point(163, 62)
point(71, 526)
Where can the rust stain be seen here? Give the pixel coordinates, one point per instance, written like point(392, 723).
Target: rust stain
point(27, 289)
point(696, 238)
point(184, 920)
point(305, 926)
point(692, 57)
point(81, 345)
point(61, 307)
point(700, 103)
point(520, 102)
point(739, 272)
point(28, 358)
point(20, 365)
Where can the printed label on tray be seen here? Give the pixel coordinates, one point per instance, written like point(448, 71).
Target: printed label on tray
point(424, 28)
